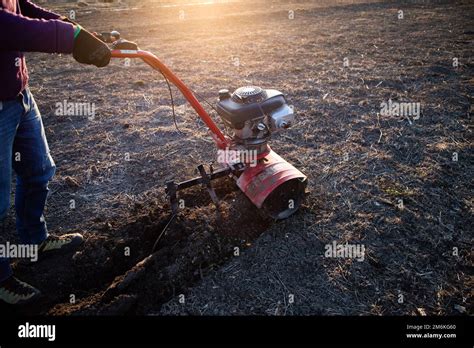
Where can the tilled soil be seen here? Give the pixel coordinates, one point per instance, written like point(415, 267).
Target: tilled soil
point(387, 182)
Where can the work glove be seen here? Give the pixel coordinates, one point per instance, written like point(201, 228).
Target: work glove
point(88, 49)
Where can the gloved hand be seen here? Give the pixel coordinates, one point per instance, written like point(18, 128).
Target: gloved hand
point(88, 49)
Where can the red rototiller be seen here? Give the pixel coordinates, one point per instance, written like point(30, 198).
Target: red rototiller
point(253, 114)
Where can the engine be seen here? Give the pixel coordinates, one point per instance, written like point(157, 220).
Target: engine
point(253, 114)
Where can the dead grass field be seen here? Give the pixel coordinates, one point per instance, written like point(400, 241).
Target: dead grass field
point(360, 164)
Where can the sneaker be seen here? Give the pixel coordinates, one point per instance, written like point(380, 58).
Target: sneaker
point(15, 292)
point(65, 243)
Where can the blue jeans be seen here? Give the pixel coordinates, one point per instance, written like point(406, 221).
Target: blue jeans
point(24, 148)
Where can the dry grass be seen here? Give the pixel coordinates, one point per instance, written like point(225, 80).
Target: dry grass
point(359, 164)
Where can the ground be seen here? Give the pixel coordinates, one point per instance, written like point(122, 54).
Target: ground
point(399, 186)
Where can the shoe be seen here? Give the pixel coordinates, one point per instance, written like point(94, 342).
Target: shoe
point(15, 292)
point(64, 243)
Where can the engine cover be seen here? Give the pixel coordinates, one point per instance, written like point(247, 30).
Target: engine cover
point(251, 104)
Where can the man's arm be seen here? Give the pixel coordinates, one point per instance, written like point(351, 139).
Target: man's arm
point(19, 33)
point(23, 34)
point(28, 9)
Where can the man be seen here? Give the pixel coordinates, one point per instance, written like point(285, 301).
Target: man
point(25, 27)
